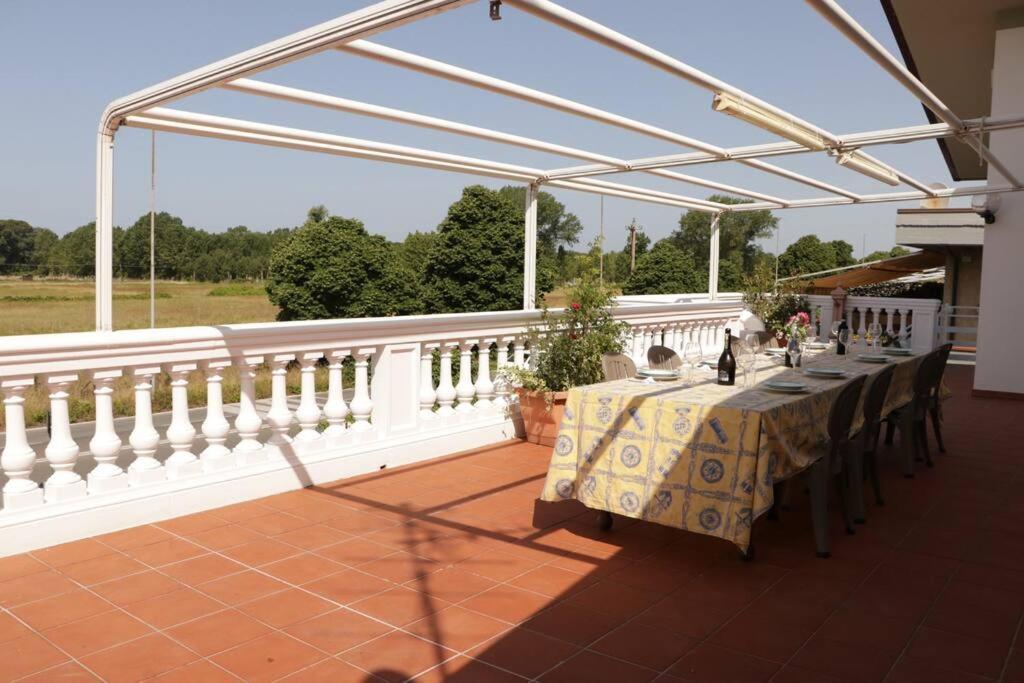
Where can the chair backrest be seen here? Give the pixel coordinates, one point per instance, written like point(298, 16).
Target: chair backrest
point(840, 418)
point(874, 400)
point(926, 380)
point(663, 358)
point(943, 353)
point(617, 366)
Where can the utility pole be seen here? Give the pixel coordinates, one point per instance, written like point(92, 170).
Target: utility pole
point(777, 252)
point(632, 246)
point(601, 245)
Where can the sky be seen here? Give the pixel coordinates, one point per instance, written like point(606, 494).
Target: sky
point(64, 60)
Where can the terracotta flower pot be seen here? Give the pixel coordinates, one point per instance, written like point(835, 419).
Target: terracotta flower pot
point(540, 423)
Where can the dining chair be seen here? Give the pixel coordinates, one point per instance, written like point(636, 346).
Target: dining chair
point(863, 461)
point(829, 468)
point(663, 358)
point(617, 366)
point(911, 418)
point(935, 405)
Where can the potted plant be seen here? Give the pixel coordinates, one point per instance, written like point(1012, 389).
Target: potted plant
point(565, 352)
point(775, 303)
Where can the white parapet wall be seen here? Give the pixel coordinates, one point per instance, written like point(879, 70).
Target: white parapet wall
point(392, 413)
point(914, 322)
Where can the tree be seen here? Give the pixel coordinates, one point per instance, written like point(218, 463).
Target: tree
point(476, 261)
point(880, 255)
point(415, 249)
point(17, 240)
point(665, 269)
point(334, 268)
point(555, 226)
point(810, 255)
point(737, 234)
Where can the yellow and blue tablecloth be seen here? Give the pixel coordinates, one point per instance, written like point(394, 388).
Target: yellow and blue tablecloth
point(705, 457)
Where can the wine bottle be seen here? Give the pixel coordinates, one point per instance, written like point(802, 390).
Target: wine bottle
point(840, 346)
point(727, 363)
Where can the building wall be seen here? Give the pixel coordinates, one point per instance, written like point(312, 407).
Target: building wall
point(965, 262)
point(1002, 281)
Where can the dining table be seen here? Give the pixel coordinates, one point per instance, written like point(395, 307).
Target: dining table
point(700, 456)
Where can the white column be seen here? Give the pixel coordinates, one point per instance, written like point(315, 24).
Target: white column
point(713, 258)
point(248, 450)
point(180, 433)
point(18, 458)
point(445, 389)
point(216, 456)
point(61, 451)
point(530, 246)
point(144, 439)
point(890, 313)
point(501, 387)
point(484, 386)
point(638, 343)
point(308, 412)
point(464, 389)
point(104, 252)
point(362, 405)
point(427, 395)
point(279, 417)
point(519, 353)
point(105, 444)
point(335, 409)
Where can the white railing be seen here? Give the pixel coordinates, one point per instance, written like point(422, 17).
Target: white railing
point(914, 322)
point(395, 413)
point(959, 325)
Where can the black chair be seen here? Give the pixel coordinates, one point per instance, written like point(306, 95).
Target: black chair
point(617, 366)
point(663, 358)
point(911, 418)
point(830, 469)
point(862, 462)
point(935, 405)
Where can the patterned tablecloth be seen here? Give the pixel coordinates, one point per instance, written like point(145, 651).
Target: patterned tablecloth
point(703, 457)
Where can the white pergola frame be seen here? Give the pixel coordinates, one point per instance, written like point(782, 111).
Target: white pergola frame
point(145, 109)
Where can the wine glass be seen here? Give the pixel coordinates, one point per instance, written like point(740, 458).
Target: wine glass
point(693, 354)
point(843, 337)
point(874, 331)
point(835, 329)
point(747, 358)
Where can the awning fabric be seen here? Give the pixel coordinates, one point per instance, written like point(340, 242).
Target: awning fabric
point(882, 271)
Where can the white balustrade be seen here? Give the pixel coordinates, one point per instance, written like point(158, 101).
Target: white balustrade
point(182, 462)
point(105, 444)
point(914, 322)
point(18, 458)
point(501, 385)
point(279, 417)
point(362, 405)
point(216, 456)
point(427, 396)
point(335, 408)
point(519, 353)
point(144, 439)
point(308, 412)
point(639, 352)
point(248, 450)
point(464, 389)
point(446, 392)
point(61, 451)
point(484, 387)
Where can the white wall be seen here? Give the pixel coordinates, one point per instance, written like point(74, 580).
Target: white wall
point(1002, 279)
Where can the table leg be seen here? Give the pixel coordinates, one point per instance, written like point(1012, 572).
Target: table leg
point(604, 520)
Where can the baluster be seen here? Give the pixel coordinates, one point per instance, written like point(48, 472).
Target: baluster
point(639, 351)
point(362, 405)
point(445, 389)
point(61, 451)
point(335, 409)
point(308, 412)
point(144, 439)
point(484, 386)
point(279, 417)
point(908, 327)
point(248, 421)
point(105, 444)
point(18, 458)
point(216, 456)
point(464, 389)
point(648, 341)
point(668, 334)
point(427, 394)
point(501, 384)
point(518, 353)
point(861, 326)
point(182, 462)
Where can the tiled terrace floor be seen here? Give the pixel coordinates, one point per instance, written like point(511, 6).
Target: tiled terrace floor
point(451, 571)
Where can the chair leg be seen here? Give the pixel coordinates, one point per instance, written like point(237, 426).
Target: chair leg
point(871, 465)
point(937, 427)
point(855, 479)
point(890, 430)
point(819, 476)
point(842, 486)
point(922, 431)
point(908, 442)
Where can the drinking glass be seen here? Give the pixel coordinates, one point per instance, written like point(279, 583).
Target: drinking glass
point(874, 331)
point(843, 337)
point(693, 354)
point(835, 328)
point(747, 359)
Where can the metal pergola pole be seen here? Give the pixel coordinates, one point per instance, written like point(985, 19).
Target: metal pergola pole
point(105, 232)
point(530, 255)
point(713, 258)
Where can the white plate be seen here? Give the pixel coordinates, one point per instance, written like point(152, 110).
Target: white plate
point(825, 372)
point(873, 358)
point(656, 373)
point(787, 387)
point(897, 352)
point(817, 345)
point(776, 350)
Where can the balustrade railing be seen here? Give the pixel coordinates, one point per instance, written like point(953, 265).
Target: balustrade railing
point(912, 322)
point(392, 400)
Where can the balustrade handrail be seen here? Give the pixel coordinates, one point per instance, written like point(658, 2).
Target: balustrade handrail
point(26, 355)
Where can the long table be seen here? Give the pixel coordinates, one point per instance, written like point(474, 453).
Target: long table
point(704, 457)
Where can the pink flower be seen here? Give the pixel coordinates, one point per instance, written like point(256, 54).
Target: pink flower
point(804, 318)
point(575, 305)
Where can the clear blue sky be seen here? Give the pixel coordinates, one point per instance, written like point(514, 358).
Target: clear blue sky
point(63, 60)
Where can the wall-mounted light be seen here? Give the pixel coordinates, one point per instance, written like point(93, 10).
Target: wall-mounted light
point(857, 162)
point(770, 121)
point(495, 10)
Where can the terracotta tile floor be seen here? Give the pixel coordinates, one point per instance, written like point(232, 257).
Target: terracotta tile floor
point(451, 571)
